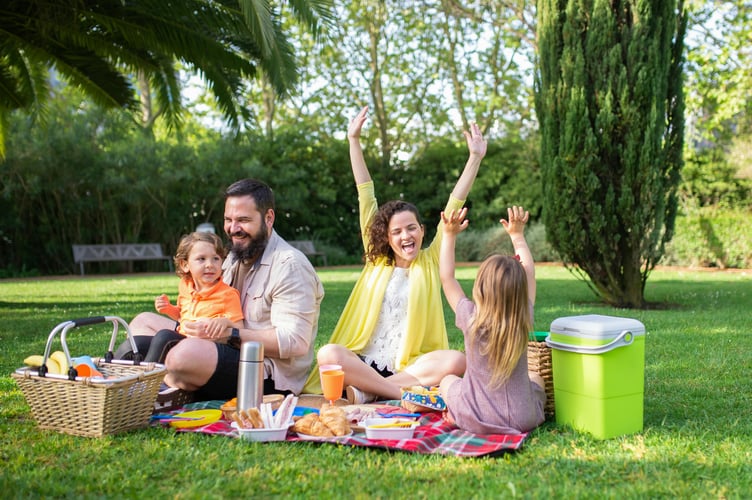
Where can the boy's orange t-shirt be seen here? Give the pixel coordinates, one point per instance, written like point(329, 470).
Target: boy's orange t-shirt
point(219, 300)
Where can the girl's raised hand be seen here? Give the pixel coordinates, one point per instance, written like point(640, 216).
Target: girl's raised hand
point(455, 223)
point(476, 145)
point(515, 224)
point(356, 125)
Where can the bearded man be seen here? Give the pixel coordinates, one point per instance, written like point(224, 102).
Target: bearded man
point(280, 295)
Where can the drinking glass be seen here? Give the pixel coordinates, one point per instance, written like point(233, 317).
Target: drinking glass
point(332, 383)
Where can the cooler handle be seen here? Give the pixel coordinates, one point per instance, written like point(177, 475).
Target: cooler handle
point(625, 338)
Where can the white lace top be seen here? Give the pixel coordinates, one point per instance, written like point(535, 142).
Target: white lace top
point(392, 322)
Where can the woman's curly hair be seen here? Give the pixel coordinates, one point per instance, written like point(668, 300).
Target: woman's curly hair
point(378, 231)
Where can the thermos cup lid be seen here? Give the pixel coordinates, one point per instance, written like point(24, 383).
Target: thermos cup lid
point(251, 351)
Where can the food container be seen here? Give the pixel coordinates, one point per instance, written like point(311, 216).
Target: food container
point(94, 407)
point(421, 399)
point(539, 361)
point(598, 371)
point(229, 408)
point(390, 428)
point(262, 435)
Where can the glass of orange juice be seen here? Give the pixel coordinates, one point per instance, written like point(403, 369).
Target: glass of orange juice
point(332, 382)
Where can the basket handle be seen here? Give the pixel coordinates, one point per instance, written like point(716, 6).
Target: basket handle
point(623, 339)
point(94, 320)
point(64, 327)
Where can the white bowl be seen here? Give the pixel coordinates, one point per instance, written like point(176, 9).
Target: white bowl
point(374, 429)
point(262, 435)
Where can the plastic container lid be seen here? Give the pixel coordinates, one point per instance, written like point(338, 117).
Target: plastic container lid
point(596, 326)
point(538, 336)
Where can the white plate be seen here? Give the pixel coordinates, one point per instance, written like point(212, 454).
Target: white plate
point(307, 437)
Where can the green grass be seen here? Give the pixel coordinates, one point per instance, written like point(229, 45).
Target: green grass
point(697, 440)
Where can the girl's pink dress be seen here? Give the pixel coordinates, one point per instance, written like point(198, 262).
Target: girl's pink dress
point(512, 408)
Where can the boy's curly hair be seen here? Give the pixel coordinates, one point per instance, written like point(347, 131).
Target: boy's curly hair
point(186, 244)
point(378, 231)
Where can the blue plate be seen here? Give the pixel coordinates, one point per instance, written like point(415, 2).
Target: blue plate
point(300, 411)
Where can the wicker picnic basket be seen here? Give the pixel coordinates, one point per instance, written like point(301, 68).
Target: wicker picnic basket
point(539, 361)
point(87, 406)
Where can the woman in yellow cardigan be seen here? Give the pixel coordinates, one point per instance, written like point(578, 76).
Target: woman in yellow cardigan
point(392, 333)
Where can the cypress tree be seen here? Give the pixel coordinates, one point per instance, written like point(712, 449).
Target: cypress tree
point(608, 90)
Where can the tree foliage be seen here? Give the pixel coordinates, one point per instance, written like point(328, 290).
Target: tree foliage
point(719, 104)
point(92, 177)
point(102, 46)
point(430, 66)
point(610, 106)
point(719, 79)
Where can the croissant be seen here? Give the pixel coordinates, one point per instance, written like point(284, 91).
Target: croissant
point(303, 425)
point(327, 409)
point(319, 428)
point(335, 419)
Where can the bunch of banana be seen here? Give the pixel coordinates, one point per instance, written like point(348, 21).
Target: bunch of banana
point(56, 363)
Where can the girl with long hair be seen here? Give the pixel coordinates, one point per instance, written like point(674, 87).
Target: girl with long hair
point(497, 395)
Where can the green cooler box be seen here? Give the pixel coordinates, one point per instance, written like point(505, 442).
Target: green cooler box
point(599, 373)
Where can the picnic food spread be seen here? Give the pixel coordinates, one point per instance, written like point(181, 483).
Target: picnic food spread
point(329, 422)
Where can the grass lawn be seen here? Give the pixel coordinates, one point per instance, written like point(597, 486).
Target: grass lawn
point(697, 440)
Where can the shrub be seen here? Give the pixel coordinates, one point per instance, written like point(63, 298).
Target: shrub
point(706, 237)
point(476, 245)
point(711, 237)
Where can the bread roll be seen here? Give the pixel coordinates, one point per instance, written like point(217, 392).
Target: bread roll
point(250, 419)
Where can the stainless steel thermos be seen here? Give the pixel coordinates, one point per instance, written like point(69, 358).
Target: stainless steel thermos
point(251, 376)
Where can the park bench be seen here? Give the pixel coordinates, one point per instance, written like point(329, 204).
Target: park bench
point(122, 252)
point(308, 249)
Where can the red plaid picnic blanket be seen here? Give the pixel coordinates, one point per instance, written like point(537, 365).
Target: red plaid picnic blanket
point(433, 435)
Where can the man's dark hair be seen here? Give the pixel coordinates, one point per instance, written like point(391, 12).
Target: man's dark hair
point(261, 193)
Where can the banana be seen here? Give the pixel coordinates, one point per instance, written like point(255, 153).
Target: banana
point(62, 361)
point(34, 361)
point(53, 366)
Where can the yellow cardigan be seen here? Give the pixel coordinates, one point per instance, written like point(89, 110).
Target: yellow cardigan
point(426, 329)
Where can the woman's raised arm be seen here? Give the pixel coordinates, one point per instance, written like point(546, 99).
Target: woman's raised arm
point(358, 163)
point(476, 146)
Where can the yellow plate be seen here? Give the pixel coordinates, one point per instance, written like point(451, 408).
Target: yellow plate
point(203, 417)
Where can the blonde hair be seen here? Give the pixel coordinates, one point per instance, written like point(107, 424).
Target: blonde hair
point(502, 321)
point(186, 244)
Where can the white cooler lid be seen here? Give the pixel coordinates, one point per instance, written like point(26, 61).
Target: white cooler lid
point(596, 326)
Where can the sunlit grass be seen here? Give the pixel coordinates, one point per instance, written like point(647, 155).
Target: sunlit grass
point(697, 440)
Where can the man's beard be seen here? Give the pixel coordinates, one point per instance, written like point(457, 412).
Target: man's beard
point(254, 248)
